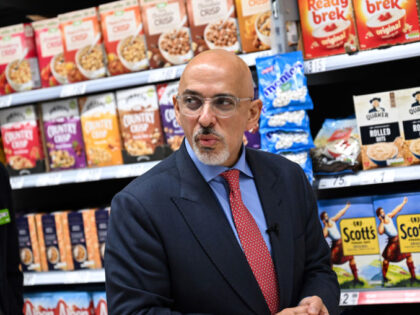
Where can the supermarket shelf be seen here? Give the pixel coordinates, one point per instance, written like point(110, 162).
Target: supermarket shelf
point(64, 277)
point(370, 177)
point(379, 296)
point(106, 84)
point(80, 175)
point(362, 58)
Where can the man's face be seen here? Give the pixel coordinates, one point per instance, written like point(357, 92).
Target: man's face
point(382, 213)
point(216, 140)
point(326, 218)
point(418, 97)
point(375, 103)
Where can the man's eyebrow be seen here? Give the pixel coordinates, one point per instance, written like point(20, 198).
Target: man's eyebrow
point(192, 92)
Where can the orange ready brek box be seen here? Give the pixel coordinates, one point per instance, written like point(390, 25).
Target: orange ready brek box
point(328, 27)
point(386, 22)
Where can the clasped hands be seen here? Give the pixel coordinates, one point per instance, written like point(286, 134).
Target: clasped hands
point(308, 306)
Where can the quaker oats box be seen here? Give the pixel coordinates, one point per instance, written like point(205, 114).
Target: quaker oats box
point(213, 25)
point(22, 140)
point(349, 227)
point(82, 43)
point(174, 134)
point(408, 101)
point(140, 124)
point(74, 303)
point(54, 243)
point(63, 134)
point(40, 303)
point(28, 243)
point(384, 23)
point(328, 27)
point(99, 303)
point(123, 36)
point(397, 219)
point(382, 142)
point(101, 133)
point(254, 24)
point(18, 60)
point(49, 48)
point(167, 32)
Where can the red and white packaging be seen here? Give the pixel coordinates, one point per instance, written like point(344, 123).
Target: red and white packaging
point(22, 140)
point(49, 47)
point(18, 60)
point(99, 302)
point(44, 303)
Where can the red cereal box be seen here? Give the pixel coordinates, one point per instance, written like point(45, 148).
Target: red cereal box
point(328, 27)
point(49, 47)
point(386, 22)
point(22, 140)
point(100, 304)
point(123, 36)
point(82, 44)
point(18, 60)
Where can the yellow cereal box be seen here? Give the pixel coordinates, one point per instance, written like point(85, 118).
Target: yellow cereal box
point(100, 130)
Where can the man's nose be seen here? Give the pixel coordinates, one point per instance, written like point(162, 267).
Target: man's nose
point(207, 115)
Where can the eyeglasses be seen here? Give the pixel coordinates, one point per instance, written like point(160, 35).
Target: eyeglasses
point(223, 105)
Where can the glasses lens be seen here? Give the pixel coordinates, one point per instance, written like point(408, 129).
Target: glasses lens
point(224, 104)
point(191, 102)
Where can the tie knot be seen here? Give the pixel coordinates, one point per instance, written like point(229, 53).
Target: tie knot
point(232, 178)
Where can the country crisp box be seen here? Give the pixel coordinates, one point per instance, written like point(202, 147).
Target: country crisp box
point(350, 229)
point(398, 218)
point(28, 243)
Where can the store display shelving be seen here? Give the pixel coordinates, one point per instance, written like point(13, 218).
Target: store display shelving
point(64, 277)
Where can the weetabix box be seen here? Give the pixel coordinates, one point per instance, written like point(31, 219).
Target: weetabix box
point(28, 243)
point(167, 33)
point(328, 27)
point(82, 44)
point(49, 46)
point(213, 25)
point(350, 228)
point(382, 142)
point(398, 221)
point(40, 303)
point(254, 24)
point(408, 101)
point(18, 60)
point(386, 22)
point(63, 303)
point(121, 22)
point(100, 304)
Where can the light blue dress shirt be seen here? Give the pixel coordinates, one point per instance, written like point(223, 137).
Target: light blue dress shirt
point(220, 188)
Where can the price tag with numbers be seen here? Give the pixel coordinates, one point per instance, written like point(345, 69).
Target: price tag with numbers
point(349, 298)
point(315, 65)
point(5, 101)
point(73, 89)
point(335, 182)
point(377, 177)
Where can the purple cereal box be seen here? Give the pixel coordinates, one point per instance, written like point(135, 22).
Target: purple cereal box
point(252, 140)
point(63, 134)
point(173, 132)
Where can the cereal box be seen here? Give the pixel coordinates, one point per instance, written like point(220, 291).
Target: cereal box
point(173, 131)
point(54, 243)
point(328, 27)
point(140, 124)
point(123, 36)
point(213, 25)
point(18, 61)
point(63, 134)
point(254, 24)
point(99, 302)
point(252, 139)
point(100, 130)
point(49, 47)
point(398, 218)
point(82, 43)
point(350, 229)
point(381, 138)
point(70, 303)
point(101, 223)
point(2, 156)
point(28, 243)
point(22, 140)
point(44, 303)
point(386, 22)
point(167, 32)
point(408, 101)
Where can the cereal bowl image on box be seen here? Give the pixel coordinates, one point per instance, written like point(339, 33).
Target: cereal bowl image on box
point(387, 24)
point(222, 34)
point(58, 68)
point(263, 27)
point(333, 35)
point(175, 46)
point(90, 61)
point(132, 53)
point(415, 148)
point(380, 153)
point(18, 75)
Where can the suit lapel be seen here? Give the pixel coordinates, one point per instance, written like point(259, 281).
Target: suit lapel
point(204, 216)
point(269, 186)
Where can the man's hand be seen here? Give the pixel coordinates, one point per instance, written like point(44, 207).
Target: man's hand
point(298, 310)
point(315, 305)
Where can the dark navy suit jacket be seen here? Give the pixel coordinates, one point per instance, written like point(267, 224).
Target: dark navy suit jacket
point(171, 250)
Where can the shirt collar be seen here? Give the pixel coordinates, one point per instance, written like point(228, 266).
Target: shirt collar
point(210, 172)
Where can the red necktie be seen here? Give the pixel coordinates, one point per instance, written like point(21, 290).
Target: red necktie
point(253, 244)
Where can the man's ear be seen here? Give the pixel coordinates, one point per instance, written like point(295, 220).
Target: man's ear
point(254, 113)
point(176, 109)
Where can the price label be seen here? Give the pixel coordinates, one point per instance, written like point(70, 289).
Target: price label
point(28, 278)
point(377, 177)
point(335, 182)
point(73, 89)
point(315, 65)
point(164, 74)
point(5, 101)
point(349, 298)
point(128, 171)
point(54, 179)
point(94, 174)
point(17, 182)
point(42, 180)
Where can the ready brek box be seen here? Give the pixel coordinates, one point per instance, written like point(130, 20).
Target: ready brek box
point(398, 221)
point(386, 22)
point(350, 229)
point(328, 27)
point(380, 134)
